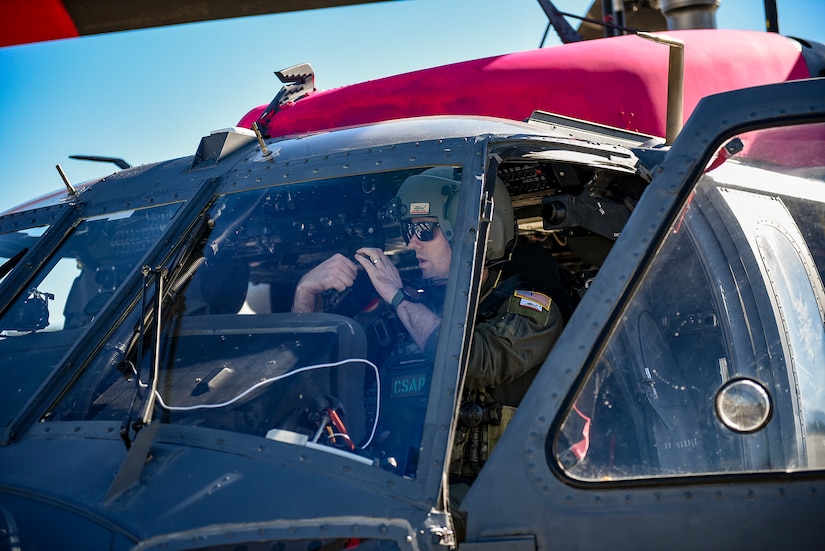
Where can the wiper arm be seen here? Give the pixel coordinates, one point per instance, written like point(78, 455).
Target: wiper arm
point(135, 369)
point(181, 272)
point(149, 405)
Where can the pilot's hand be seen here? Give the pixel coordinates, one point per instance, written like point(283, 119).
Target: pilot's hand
point(336, 272)
point(383, 273)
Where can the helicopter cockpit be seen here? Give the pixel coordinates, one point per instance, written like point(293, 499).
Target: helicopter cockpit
point(210, 340)
point(229, 354)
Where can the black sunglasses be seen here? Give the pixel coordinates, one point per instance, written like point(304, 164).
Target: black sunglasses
point(424, 231)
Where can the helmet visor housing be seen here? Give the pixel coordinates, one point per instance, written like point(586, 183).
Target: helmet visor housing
point(433, 193)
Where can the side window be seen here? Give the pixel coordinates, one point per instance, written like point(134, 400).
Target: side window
point(734, 296)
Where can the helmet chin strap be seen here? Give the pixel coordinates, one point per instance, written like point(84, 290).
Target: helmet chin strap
point(500, 261)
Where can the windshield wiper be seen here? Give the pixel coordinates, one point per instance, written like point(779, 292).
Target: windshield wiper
point(145, 431)
point(180, 273)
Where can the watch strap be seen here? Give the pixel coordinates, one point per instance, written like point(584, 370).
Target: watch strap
point(400, 296)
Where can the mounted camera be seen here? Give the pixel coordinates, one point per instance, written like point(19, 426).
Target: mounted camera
point(32, 314)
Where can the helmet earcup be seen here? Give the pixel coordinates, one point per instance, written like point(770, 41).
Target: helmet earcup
point(501, 235)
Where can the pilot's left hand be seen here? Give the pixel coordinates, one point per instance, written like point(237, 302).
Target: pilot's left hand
point(382, 272)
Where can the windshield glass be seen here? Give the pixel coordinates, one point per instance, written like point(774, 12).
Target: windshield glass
point(14, 245)
point(65, 296)
point(271, 326)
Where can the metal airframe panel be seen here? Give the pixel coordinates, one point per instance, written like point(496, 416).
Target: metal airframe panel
point(556, 509)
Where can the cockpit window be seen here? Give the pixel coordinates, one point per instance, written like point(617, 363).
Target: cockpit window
point(734, 294)
point(14, 245)
point(234, 350)
point(43, 322)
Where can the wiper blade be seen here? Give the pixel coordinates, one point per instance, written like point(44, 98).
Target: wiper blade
point(145, 431)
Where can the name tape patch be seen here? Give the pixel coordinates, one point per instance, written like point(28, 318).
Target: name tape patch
point(421, 209)
point(414, 384)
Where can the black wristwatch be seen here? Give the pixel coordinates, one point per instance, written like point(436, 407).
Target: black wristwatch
point(400, 297)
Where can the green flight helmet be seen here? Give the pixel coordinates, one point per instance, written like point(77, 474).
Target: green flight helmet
point(434, 193)
point(501, 236)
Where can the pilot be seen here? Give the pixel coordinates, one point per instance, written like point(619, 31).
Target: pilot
point(515, 327)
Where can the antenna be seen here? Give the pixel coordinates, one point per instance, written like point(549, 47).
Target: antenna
point(69, 187)
point(264, 149)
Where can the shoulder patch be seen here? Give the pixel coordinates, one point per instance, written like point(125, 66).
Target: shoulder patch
point(531, 304)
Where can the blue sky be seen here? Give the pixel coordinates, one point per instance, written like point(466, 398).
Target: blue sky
point(151, 95)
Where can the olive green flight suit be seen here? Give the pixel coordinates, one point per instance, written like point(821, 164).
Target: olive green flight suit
point(506, 352)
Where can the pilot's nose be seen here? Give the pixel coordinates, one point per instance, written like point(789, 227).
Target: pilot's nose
point(415, 243)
